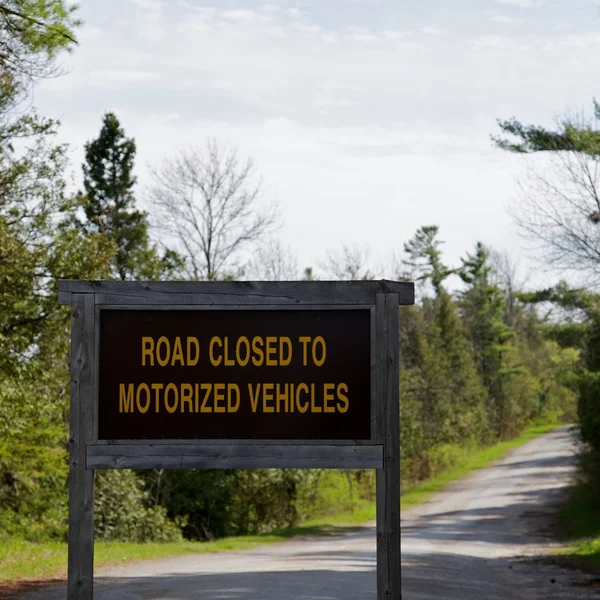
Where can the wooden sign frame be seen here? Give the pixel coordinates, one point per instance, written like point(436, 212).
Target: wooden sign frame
point(87, 453)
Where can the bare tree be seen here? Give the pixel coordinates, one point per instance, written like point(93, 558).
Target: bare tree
point(209, 202)
point(349, 263)
point(558, 203)
point(273, 261)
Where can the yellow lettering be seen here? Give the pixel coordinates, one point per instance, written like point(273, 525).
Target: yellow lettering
point(257, 344)
point(281, 397)
point(304, 339)
point(192, 362)
point(268, 396)
point(242, 341)
point(321, 341)
point(343, 407)
point(254, 396)
point(125, 401)
point(157, 387)
point(213, 361)
point(171, 386)
point(187, 392)
point(219, 395)
point(208, 388)
point(228, 361)
point(328, 395)
point(271, 350)
point(144, 387)
point(301, 386)
point(163, 341)
point(285, 341)
point(147, 350)
point(313, 407)
point(230, 406)
point(177, 353)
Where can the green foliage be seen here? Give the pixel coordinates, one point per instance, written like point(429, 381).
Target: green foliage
point(424, 257)
point(589, 408)
point(39, 243)
point(473, 371)
point(37, 27)
point(122, 511)
point(574, 136)
point(32, 33)
point(109, 205)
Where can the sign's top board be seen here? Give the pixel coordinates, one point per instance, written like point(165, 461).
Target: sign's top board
point(235, 374)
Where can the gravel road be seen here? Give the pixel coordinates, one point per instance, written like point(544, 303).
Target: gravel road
point(475, 540)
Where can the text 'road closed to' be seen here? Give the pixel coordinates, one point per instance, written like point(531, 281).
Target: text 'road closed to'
point(235, 374)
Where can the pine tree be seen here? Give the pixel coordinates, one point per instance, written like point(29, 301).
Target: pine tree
point(110, 205)
point(453, 400)
point(424, 257)
point(482, 305)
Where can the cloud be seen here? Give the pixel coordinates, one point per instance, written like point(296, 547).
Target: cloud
point(522, 3)
point(89, 33)
point(148, 4)
point(248, 16)
point(343, 115)
point(363, 37)
point(506, 19)
point(393, 35)
point(431, 30)
point(150, 19)
point(111, 77)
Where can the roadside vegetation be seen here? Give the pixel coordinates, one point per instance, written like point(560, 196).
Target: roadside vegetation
point(480, 364)
point(559, 210)
point(29, 561)
point(580, 528)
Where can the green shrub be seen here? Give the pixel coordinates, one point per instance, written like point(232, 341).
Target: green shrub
point(121, 511)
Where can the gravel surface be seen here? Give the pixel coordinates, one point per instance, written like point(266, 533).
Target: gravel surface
point(475, 540)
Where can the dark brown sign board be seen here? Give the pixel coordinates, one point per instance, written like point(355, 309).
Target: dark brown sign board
point(234, 375)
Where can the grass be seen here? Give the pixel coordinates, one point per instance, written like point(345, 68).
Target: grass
point(30, 560)
point(20, 560)
point(579, 522)
point(469, 462)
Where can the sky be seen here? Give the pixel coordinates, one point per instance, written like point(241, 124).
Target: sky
point(365, 118)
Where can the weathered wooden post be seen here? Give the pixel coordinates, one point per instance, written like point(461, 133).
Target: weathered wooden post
point(211, 375)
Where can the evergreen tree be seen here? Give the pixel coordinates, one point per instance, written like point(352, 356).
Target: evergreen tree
point(424, 257)
point(110, 206)
point(453, 400)
point(573, 134)
point(482, 305)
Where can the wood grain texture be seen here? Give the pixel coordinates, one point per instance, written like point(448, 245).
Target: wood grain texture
point(221, 441)
point(388, 478)
point(230, 456)
point(81, 481)
point(237, 292)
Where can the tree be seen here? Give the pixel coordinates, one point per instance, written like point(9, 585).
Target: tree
point(504, 275)
point(272, 261)
point(424, 258)
point(559, 204)
point(39, 243)
point(482, 305)
point(573, 134)
point(349, 263)
point(32, 33)
point(110, 205)
point(209, 202)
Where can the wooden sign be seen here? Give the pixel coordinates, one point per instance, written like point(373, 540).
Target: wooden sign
point(234, 375)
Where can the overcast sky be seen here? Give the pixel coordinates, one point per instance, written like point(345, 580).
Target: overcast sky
point(366, 118)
